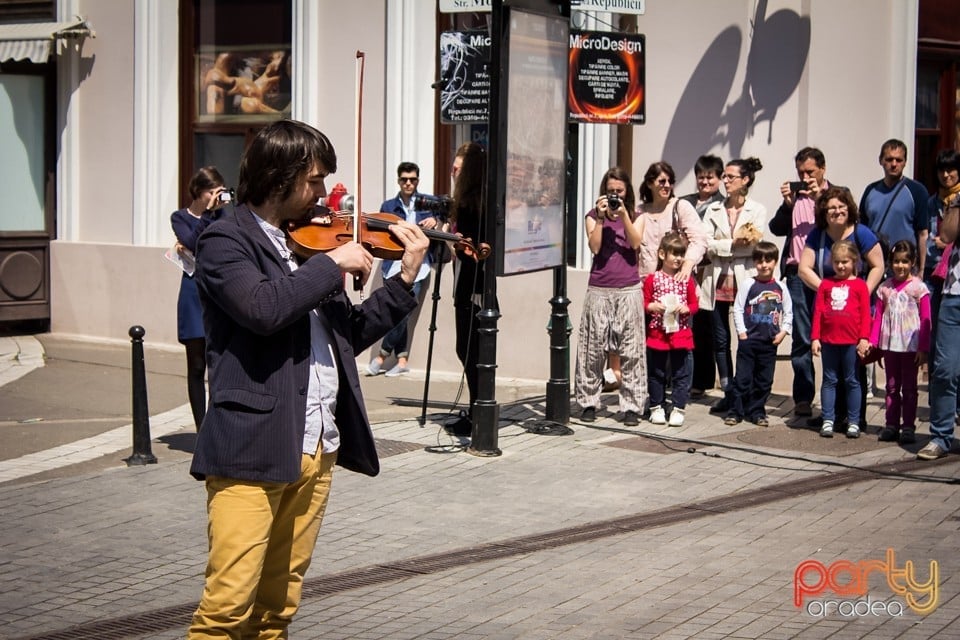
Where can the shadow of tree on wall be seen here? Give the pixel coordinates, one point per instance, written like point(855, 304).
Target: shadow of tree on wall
point(707, 115)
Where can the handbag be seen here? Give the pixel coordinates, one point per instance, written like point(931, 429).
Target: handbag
point(940, 271)
point(875, 355)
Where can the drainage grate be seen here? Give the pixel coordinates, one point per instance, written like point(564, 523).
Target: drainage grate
point(648, 445)
point(143, 624)
point(387, 448)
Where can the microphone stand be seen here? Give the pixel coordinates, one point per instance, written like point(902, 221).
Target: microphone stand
point(433, 327)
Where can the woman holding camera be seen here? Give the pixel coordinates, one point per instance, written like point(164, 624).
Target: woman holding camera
point(612, 319)
point(208, 195)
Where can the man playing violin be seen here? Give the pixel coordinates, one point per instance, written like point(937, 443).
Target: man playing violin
point(285, 395)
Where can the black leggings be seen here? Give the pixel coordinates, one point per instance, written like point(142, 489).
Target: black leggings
point(196, 370)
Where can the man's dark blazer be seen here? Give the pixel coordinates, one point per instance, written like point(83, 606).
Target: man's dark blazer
point(255, 315)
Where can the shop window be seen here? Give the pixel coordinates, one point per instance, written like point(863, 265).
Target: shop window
point(27, 10)
point(235, 78)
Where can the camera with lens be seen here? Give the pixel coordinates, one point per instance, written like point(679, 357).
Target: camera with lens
point(434, 204)
point(613, 201)
point(226, 197)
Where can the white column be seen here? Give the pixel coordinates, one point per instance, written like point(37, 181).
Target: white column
point(305, 101)
point(156, 136)
point(410, 68)
point(596, 156)
point(904, 19)
point(596, 151)
point(68, 123)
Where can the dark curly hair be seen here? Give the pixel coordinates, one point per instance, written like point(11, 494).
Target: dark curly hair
point(630, 199)
point(654, 170)
point(840, 193)
point(278, 157)
point(748, 170)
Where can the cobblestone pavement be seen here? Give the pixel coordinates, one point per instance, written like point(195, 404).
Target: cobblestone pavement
point(597, 532)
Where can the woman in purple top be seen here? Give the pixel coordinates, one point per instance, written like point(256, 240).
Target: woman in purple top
point(612, 319)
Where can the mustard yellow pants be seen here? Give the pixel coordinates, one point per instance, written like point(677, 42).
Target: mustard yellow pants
point(262, 537)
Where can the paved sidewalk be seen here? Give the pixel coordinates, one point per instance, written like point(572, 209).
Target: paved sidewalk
point(605, 532)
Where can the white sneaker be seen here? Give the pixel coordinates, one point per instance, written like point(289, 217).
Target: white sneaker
point(657, 416)
point(676, 418)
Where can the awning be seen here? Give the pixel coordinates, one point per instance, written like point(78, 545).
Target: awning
point(33, 40)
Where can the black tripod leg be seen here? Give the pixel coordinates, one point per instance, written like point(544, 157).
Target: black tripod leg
point(432, 329)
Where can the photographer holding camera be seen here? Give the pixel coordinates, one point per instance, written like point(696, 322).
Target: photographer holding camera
point(427, 212)
point(612, 319)
point(795, 219)
point(208, 197)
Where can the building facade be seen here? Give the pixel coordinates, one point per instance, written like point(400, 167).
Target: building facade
point(104, 134)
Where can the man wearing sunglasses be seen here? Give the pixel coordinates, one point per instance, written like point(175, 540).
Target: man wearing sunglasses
point(404, 207)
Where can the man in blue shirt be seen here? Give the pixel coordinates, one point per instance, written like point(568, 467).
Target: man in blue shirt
point(895, 208)
point(404, 206)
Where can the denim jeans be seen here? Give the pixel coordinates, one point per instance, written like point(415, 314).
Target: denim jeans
point(840, 363)
point(750, 387)
point(721, 342)
point(945, 372)
point(660, 362)
point(800, 356)
point(396, 340)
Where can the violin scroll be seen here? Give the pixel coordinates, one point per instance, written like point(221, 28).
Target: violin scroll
point(469, 249)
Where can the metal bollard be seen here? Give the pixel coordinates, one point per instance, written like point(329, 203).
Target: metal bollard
point(141, 416)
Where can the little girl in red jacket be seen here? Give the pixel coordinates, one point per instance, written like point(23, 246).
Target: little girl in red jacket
point(841, 332)
point(670, 304)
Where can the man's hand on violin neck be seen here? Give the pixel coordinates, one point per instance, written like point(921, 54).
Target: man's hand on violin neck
point(352, 258)
point(415, 245)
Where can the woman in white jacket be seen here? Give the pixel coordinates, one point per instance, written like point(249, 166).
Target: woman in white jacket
point(734, 227)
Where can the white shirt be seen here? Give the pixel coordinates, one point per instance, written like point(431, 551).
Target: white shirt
point(321, 426)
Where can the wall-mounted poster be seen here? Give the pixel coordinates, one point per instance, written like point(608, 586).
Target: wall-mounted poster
point(465, 88)
point(243, 83)
point(536, 143)
point(607, 76)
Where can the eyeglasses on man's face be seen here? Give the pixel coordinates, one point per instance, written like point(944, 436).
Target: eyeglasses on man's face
point(404, 179)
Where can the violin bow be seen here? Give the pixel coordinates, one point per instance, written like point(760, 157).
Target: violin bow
point(357, 208)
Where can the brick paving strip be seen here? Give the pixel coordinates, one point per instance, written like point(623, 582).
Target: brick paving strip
point(168, 618)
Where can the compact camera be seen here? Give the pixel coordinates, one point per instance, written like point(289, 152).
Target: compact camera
point(226, 196)
point(613, 201)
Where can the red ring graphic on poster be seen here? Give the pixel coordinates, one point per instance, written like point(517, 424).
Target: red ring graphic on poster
point(606, 82)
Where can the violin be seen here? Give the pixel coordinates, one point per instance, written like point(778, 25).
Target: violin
point(327, 230)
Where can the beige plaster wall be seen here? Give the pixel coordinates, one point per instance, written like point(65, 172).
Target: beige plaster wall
point(105, 97)
point(711, 82)
point(101, 290)
point(841, 102)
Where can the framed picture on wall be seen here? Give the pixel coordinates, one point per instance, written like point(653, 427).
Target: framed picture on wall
point(243, 84)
